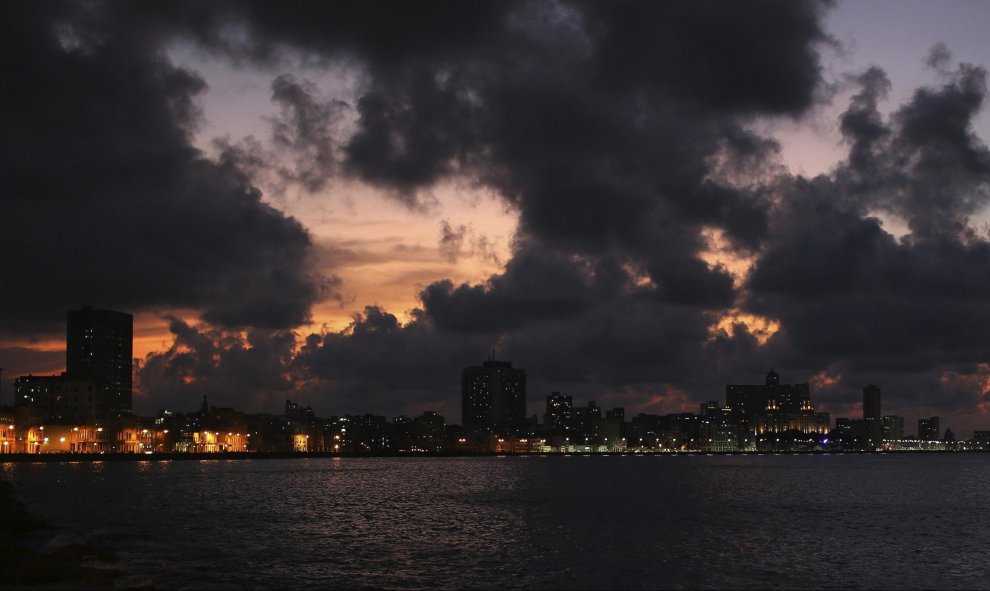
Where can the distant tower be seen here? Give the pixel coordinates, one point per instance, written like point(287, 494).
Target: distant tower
point(493, 395)
point(872, 419)
point(871, 402)
point(99, 347)
point(773, 378)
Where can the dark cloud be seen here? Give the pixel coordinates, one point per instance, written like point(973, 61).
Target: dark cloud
point(386, 35)
point(250, 371)
point(924, 164)
point(862, 124)
point(379, 365)
point(725, 56)
point(619, 140)
point(903, 312)
point(534, 287)
point(307, 130)
point(107, 202)
point(411, 133)
point(938, 57)
point(451, 240)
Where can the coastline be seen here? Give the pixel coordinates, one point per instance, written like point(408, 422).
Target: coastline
point(180, 456)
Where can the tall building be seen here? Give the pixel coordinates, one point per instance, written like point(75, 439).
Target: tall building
point(559, 414)
point(893, 428)
point(493, 396)
point(871, 402)
point(928, 429)
point(872, 420)
point(98, 347)
point(717, 430)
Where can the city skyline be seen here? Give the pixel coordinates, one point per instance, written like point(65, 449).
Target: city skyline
point(88, 409)
point(347, 204)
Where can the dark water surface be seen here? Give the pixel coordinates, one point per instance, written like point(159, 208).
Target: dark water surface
point(835, 521)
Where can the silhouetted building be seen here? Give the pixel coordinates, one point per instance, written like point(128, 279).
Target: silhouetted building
point(98, 346)
point(754, 399)
point(612, 429)
point(872, 420)
point(587, 420)
point(772, 407)
point(893, 428)
point(848, 434)
point(493, 396)
point(559, 413)
point(980, 440)
point(928, 429)
point(402, 435)
point(367, 433)
point(428, 432)
point(871, 402)
point(717, 430)
point(96, 385)
point(60, 399)
point(296, 412)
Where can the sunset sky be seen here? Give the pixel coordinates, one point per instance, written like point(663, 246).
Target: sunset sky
point(345, 203)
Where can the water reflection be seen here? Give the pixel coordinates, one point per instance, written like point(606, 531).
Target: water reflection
point(564, 522)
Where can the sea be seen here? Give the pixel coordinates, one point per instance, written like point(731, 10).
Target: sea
point(687, 521)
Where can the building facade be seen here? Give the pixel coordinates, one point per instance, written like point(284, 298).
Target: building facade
point(98, 347)
point(872, 419)
point(772, 407)
point(493, 396)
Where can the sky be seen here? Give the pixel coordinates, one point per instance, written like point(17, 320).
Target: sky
point(347, 203)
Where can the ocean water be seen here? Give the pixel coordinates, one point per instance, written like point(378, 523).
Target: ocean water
point(770, 521)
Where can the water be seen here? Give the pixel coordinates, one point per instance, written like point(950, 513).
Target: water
point(830, 521)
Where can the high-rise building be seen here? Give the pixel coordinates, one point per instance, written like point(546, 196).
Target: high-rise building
point(893, 428)
point(428, 431)
point(559, 414)
point(587, 422)
point(871, 402)
point(493, 396)
point(872, 420)
point(928, 429)
point(98, 347)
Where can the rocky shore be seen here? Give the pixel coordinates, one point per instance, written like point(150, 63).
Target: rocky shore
point(32, 554)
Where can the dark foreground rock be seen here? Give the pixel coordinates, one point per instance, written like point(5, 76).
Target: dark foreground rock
point(74, 565)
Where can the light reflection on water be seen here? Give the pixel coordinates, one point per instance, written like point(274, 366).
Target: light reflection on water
point(878, 521)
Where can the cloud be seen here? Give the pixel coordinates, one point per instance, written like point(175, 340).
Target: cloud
point(851, 296)
point(379, 365)
point(306, 128)
point(723, 56)
point(461, 241)
point(620, 155)
point(107, 202)
point(451, 240)
point(246, 371)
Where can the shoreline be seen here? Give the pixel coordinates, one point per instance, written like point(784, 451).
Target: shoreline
point(21, 458)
